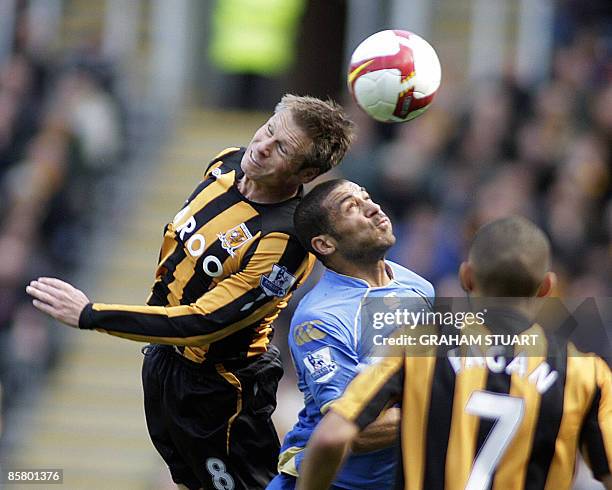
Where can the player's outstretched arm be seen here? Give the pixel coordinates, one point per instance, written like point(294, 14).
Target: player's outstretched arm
point(236, 302)
point(325, 451)
point(58, 299)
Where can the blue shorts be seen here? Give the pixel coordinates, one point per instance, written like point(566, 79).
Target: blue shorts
point(283, 481)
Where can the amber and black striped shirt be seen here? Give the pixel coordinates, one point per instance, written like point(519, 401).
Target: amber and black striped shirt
point(226, 267)
point(500, 423)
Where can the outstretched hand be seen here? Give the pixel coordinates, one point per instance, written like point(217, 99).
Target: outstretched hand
point(58, 299)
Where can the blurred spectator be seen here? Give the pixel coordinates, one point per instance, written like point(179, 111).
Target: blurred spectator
point(253, 42)
point(547, 156)
point(57, 135)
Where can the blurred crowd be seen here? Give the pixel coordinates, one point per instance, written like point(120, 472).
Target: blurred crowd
point(543, 152)
point(61, 134)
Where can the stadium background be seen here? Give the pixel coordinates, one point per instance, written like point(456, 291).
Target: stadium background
point(109, 109)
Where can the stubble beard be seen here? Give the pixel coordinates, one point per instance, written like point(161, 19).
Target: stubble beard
point(359, 254)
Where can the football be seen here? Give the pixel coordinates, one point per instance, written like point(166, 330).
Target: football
point(394, 75)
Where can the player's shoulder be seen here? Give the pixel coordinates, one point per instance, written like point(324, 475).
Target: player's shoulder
point(583, 358)
point(226, 160)
point(309, 315)
point(315, 329)
point(328, 308)
point(334, 294)
point(411, 279)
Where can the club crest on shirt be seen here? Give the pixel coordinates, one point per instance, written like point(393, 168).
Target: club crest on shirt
point(234, 238)
point(278, 282)
point(320, 364)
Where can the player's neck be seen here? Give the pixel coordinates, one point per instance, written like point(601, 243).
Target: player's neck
point(374, 273)
point(260, 193)
point(527, 306)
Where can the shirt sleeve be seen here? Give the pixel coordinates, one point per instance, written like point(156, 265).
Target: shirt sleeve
point(371, 391)
point(325, 356)
point(278, 265)
point(596, 434)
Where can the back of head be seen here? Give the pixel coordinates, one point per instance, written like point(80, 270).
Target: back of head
point(510, 257)
point(326, 123)
point(311, 217)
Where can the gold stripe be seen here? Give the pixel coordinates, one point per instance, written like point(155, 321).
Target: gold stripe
point(260, 343)
point(464, 427)
point(512, 469)
point(355, 73)
point(185, 270)
point(235, 382)
point(269, 251)
point(196, 340)
point(262, 339)
point(196, 354)
point(604, 417)
point(416, 401)
point(225, 152)
point(211, 168)
point(578, 394)
point(155, 310)
point(206, 196)
point(362, 389)
point(168, 248)
point(286, 461)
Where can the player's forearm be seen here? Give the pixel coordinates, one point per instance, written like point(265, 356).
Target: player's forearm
point(181, 325)
point(379, 434)
point(325, 452)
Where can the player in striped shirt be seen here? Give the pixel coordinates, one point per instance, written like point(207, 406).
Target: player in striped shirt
point(503, 423)
point(228, 264)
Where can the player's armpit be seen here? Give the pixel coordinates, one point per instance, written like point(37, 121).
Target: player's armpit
point(274, 269)
point(381, 433)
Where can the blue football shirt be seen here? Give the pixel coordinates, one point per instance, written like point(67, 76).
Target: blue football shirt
point(328, 348)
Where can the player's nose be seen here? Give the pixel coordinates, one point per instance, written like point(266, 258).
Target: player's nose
point(265, 147)
point(371, 208)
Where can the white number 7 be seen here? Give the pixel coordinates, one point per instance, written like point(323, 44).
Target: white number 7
point(507, 411)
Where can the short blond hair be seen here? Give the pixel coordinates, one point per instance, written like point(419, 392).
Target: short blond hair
point(326, 124)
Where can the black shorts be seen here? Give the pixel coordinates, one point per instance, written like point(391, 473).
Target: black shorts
point(212, 422)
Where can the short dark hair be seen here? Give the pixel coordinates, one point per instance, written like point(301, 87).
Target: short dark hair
point(311, 217)
point(510, 257)
point(326, 124)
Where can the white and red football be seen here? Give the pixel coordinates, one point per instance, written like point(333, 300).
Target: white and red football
point(394, 75)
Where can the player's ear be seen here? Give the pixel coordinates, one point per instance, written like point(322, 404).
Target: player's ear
point(466, 277)
point(548, 285)
point(323, 244)
point(308, 174)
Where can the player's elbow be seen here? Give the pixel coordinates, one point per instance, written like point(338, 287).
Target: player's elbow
point(329, 441)
point(333, 434)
